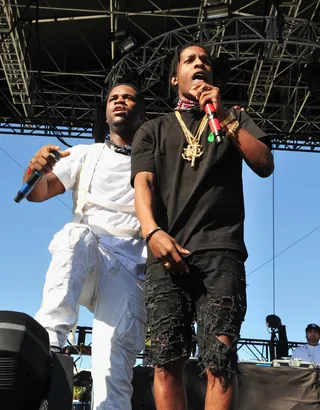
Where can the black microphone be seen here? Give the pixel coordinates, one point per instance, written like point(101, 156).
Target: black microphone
point(28, 186)
point(213, 122)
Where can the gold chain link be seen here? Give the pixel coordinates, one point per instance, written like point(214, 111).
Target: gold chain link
point(194, 149)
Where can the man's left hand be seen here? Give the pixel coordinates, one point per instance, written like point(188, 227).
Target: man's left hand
point(206, 93)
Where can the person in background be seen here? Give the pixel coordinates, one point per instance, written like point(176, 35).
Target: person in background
point(310, 352)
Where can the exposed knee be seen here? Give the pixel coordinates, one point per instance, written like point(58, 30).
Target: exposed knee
point(225, 340)
point(170, 370)
point(220, 362)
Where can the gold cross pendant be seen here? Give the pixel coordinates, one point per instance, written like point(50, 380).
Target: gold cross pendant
point(192, 152)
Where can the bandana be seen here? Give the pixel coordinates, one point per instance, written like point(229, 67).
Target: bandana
point(119, 149)
point(187, 105)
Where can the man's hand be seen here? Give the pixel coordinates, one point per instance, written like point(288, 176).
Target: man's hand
point(206, 93)
point(168, 251)
point(44, 161)
point(237, 107)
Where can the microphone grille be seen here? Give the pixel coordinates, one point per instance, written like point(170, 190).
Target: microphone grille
point(56, 155)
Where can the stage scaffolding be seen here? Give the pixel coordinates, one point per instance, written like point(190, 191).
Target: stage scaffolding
point(256, 349)
point(268, 48)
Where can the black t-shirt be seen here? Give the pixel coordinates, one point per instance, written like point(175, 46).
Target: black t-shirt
point(201, 208)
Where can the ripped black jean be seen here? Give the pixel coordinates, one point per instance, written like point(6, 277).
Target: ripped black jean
point(213, 292)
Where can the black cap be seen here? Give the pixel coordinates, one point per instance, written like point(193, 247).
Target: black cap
point(313, 326)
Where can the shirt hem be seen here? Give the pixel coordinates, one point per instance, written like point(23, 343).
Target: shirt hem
point(208, 247)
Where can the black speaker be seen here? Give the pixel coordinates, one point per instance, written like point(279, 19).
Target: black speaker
point(60, 394)
point(24, 361)
point(31, 377)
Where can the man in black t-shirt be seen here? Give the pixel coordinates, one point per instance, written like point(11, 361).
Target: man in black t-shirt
point(189, 200)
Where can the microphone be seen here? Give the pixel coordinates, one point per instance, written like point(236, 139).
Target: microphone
point(213, 122)
point(28, 186)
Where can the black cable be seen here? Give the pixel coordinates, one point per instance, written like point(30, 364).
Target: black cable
point(284, 250)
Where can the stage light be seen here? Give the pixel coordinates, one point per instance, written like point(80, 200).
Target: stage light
point(117, 35)
point(273, 321)
point(127, 45)
point(217, 11)
point(279, 341)
point(30, 374)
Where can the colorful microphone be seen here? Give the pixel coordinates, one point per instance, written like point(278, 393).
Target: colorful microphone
point(213, 122)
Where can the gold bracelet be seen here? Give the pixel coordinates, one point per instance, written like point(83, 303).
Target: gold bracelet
point(227, 120)
point(151, 232)
point(233, 129)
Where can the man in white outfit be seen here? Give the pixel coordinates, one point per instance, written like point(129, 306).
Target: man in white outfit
point(310, 352)
point(98, 258)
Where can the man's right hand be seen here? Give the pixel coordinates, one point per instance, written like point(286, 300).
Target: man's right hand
point(44, 161)
point(168, 251)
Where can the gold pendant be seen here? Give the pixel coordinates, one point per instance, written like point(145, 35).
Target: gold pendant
point(193, 151)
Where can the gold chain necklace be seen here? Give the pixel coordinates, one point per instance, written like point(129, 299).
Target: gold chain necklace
point(194, 149)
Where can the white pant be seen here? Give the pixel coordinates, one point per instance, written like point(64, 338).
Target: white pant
point(83, 272)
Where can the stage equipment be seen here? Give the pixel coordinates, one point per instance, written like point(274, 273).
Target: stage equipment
point(279, 341)
point(13, 55)
point(127, 45)
point(259, 348)
point(83, 379)
point(273, 321)
point(30, 375)
point(260, 387)
point(217, 11)
point(117, 35)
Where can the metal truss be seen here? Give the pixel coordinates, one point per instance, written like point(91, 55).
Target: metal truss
point(262, 349)
point(13, 55)
point(265, 74)
point(44, 129)
point(266, 55)
point(258, 349)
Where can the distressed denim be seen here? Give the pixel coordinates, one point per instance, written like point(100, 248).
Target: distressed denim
point(213, 293)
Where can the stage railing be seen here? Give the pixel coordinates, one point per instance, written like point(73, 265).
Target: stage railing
point(259, 349)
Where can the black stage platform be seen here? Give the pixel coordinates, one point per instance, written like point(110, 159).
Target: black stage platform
point(260, 388)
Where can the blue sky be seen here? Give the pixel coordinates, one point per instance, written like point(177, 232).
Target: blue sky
point(27, 229)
